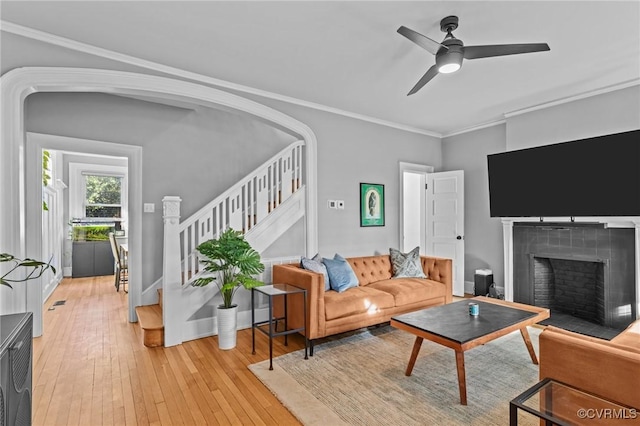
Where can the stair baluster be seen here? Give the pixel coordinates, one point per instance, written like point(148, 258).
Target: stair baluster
point(242, 207)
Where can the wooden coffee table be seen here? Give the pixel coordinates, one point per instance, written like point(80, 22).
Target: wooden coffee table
point(451, 326)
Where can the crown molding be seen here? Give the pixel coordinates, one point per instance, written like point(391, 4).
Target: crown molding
point(67, 43)
point(555, 102)
point(584, 95)
point(474, 128)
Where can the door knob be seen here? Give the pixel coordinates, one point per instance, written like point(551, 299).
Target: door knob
point(459, 237)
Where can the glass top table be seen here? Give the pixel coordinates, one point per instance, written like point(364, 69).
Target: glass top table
point(560, 404)
point(271, 291)
point(278, 289)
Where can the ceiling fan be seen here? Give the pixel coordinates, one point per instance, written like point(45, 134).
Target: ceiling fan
point(451, 52)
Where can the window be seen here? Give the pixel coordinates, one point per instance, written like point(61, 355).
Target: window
point(103, 196)
point(98, 193)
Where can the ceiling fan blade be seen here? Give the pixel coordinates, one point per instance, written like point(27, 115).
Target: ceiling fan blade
point(426, 43)
point(431, 72)
point(475, 52)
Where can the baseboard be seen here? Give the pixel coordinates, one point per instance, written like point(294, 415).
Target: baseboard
point(469, 287)
point(66, 271)
point(51, 286)
point(206, 327)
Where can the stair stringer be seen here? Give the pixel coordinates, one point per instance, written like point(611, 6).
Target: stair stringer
point(269, 230)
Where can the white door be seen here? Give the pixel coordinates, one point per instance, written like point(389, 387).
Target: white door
point(445, 221)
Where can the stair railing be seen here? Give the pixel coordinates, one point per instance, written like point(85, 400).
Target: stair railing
point(240, 207)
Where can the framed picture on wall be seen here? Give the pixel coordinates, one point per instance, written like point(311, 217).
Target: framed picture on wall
point(371, 204)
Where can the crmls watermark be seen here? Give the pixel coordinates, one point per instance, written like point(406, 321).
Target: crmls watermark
point(608, 413)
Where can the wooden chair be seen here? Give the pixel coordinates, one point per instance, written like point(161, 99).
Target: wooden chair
point(121, 274)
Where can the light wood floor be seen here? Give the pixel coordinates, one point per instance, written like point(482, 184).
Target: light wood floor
point(91, 368)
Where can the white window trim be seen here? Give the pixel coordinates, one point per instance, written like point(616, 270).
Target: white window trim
point(77, 189)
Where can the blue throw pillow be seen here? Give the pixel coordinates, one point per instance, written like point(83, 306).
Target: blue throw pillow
point(341, 275)
point(315, 264)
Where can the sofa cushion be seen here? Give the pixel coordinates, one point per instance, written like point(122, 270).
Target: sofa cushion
point(315, 264)
point(341, 276)
point(355, 300)
point(406, 291)
point(406, 264)
point(370, 269)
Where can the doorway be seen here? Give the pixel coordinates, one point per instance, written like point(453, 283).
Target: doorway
point(130, 156)
point(413, 230)
point(432, 215)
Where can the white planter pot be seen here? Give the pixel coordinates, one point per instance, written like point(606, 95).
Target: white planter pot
point(227, 327)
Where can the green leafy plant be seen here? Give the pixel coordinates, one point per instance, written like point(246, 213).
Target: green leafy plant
point(36, 267)
point(234, 261)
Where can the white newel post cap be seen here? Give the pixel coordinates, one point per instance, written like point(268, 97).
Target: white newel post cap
point(171, 208)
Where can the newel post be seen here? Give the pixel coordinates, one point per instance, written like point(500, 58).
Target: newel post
point(171, 273)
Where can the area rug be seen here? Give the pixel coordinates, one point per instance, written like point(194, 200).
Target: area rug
point(359, 379)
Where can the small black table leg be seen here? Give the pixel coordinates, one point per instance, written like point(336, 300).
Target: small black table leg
point(513, 415)
point(286, 327)
point(270, 334)
point(304, 318)
point(253, 324)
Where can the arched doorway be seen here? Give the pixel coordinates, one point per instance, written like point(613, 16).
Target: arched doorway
point(18, 238)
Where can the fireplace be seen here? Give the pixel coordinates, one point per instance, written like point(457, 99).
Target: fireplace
point(573, 287)
point(585, 271)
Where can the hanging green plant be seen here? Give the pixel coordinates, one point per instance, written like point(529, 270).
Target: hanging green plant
point(37, 268)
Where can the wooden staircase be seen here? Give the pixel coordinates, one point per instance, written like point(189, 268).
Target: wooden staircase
point(150, 320)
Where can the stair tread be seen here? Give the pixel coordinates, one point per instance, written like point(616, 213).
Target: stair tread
point(150, 317)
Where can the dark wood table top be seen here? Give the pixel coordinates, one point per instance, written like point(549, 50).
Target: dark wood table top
point(453, 322)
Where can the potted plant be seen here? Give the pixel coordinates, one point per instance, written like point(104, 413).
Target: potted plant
point(36, 272)
point(233, 262)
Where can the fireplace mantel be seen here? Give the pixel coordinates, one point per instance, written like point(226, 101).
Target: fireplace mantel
point(600, 222)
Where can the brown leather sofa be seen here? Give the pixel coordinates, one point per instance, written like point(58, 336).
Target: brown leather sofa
point(376, 299)
point(608, 369)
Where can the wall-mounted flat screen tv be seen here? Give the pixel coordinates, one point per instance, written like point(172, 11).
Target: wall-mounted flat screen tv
point(598, 176)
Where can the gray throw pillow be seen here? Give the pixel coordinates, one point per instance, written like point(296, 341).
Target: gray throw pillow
point(315, 264)
point(406, 265)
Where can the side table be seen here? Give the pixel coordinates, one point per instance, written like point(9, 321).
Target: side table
point(556, 403)
point(272, 291)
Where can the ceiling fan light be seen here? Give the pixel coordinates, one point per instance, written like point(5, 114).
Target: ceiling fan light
point(450, 61)
point(449, 68)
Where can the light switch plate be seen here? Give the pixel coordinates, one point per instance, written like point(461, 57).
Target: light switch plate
point(340, 204)
point(331, 204)
point(149, 207)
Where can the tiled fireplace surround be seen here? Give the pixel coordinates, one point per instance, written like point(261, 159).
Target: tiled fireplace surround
point(586, 270)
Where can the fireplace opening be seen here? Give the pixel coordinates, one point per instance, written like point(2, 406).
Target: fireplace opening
point(571, 287)
point(584, 274)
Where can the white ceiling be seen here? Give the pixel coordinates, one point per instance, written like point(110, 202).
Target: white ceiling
point(347, 55)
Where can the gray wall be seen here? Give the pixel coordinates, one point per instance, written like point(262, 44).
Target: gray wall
point(354, 151)
point(483, 234)
point(611, 112)
point(198, 154)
